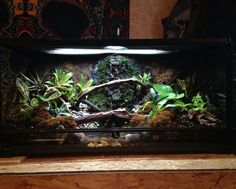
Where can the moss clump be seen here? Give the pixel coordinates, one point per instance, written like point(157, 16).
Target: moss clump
point(162, 119)
point(44, 119)
point(19, 115)
point(138, 120)
point(41, 113)
point(169, 76)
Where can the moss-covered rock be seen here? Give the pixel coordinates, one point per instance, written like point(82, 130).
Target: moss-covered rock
point(110, 68)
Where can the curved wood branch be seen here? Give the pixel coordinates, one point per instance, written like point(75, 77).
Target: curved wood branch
point(110, 83)
point(120, 114)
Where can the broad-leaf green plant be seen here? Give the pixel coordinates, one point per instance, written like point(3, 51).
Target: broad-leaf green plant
point(162, 97)
point(83, 84)
point(55, 92)
point(62, 81)
point(198, 104)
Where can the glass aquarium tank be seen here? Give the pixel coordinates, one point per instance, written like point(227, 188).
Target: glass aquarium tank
point(122, 96)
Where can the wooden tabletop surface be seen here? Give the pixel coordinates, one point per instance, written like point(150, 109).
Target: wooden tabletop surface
point(74, 164)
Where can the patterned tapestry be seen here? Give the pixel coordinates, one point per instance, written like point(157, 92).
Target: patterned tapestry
point(64, 19)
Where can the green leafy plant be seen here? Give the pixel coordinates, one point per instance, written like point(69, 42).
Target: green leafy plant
point(57, 108)
point(84, 84)
point(162, 97)
point(50, 94)
point(197, 104)
point(55, 92)
point(23, 88)
point(60, 93)
point(166, 93)
point(167, 98)
point(61, 80)
point(34, 102)
point(31, 87)
point(145, 78)
point(63, 83)
point(27, 102)
point(36, 82)
point(186, 85)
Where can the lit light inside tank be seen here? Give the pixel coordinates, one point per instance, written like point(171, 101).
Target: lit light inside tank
point(106, 50)
point(116, 47)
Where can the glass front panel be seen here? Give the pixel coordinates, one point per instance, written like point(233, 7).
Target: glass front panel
point(110, 89)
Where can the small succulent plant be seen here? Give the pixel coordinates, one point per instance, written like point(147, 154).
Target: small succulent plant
point(145, 78)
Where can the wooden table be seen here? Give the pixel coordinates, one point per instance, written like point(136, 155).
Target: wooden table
point(123, 172)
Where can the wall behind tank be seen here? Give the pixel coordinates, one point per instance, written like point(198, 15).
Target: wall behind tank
point(49, 19)
point(146, 16)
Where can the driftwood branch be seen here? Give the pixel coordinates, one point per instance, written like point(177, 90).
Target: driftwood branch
point(93, 106)
point(120, 114)
point(111, 83)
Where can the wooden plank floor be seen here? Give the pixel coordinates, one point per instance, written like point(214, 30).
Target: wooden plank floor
point(203, 171)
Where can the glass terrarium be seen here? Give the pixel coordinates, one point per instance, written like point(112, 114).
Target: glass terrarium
point(132, 96)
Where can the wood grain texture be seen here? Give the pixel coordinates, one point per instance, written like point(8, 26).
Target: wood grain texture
point(124, 180)
point(121, 164)
point(12, 160)
point(127, 157)
point(146, 16)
